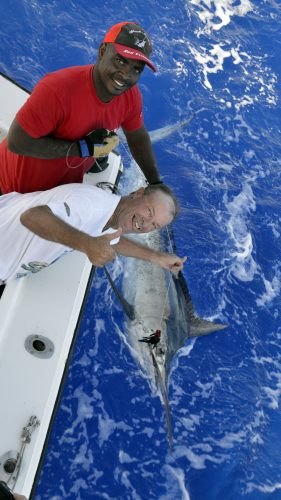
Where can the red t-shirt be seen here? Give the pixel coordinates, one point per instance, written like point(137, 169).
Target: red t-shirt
point(64, 104)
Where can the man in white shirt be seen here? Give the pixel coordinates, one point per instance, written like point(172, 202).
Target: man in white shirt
point(38, 228)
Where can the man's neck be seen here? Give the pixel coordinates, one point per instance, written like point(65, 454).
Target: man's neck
point(113, 221)
point(99, 87)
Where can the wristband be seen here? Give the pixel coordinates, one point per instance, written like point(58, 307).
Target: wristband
point(84, 150)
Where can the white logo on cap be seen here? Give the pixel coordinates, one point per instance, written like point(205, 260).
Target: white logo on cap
point(140, 44)
point(139, 54)
point(137, 42)
point(136, 31)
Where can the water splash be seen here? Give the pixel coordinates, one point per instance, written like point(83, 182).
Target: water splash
point(215, 14)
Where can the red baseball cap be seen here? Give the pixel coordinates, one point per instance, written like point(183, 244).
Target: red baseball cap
point(130, 41)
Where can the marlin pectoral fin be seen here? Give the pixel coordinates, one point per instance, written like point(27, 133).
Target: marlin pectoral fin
point(199, 327)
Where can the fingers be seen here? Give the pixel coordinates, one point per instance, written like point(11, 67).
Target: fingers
point(112, 141)
point(177, 265)
point(108, 145)
point(113, 238)
point(103, 258)
point(102, 261)
point(102, 251)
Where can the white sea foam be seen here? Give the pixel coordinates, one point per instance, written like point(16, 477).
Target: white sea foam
point(272, 289)
point(84, 456)
point(148, 431)
point(244, 125)
point(212, 59)
point(85, 408)
point(249, 154)
point(124, 458)
point(257, 80)
point(107, 426)
point(229, 440)
point(204, 389)
point(273, 393)
point(275, 228)
point(178, 490)
point(273, 396)
point(197, 461)
point(131, 491)
point(191, 421)
point(263, 488)
point(242, 263)
point(183, 352)
point(99, 329)
point(215, 14)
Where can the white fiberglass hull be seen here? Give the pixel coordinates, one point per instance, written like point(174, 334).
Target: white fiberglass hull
point(39, 317)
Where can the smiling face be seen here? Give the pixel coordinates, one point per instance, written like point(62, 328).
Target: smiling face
point(140, 213)
point(114, 74)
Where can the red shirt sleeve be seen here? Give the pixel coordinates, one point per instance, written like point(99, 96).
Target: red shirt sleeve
point(42, 113)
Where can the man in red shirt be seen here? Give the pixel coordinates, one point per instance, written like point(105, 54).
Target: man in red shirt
point(50, 142)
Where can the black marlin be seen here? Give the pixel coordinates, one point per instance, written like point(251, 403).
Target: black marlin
point(162, 302)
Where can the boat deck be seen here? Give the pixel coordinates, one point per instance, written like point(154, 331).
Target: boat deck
point(39, 319)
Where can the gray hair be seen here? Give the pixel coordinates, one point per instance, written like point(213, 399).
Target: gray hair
point(163, 188)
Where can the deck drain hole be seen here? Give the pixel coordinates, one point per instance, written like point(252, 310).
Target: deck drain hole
point(39, 346)
point(10, 465)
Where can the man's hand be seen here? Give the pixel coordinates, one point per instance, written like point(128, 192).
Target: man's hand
point(100, 250)
point(41, 221)
point(171, 262)
point(98, 143)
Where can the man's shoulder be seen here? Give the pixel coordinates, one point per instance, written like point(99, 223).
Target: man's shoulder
point(84, 197)
point(67, 77)
point(71, 70)
point(84, 189)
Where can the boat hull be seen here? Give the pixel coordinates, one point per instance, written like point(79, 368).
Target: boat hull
point(40, 316)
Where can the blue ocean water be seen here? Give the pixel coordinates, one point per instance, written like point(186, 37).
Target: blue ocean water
point(221, 60)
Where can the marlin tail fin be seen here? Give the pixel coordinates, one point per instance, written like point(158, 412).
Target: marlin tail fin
point(199, 327)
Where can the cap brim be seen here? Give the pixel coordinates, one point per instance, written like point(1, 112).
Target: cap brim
point(130, 53)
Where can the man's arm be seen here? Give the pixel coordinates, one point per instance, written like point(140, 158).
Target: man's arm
point(130, 248)
point(48, 147)
point(41, 221)
point(141, 148)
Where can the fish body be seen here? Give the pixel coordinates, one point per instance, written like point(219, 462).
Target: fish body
point(161, 301)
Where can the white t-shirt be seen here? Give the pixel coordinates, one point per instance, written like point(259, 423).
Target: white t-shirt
point(84, 207)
